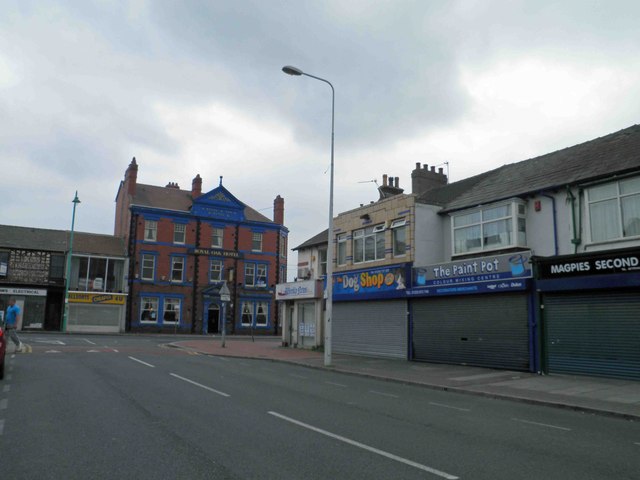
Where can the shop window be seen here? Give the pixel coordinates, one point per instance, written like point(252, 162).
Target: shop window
point(149, 309)
point(177, 269)
point(399, 237)
point(215, 270)
point(179, 233)
point(614, 210)
point(256, 242)
point(148, 267)
point(490, 228)
point(150, 230)
point(368, 244)
point(171, 310)
point(254, 314)
point(217, 237)
point(342, 249)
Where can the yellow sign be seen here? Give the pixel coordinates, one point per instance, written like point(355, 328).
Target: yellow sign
point(100, 298)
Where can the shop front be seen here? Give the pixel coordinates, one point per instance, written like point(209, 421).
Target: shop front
point(302, 313)
point(32, 303)
point(96, 312)
point(370, 315)
point(476, 311)
point(590, 313)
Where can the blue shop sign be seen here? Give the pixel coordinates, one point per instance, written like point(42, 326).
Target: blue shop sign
point(382, 282)
point(475, 275)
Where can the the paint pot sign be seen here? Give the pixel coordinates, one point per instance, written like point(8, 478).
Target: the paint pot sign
point(517, 265)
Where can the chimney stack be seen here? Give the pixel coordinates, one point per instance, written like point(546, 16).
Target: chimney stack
point(196, 187)
point(278, 210)
point(423, 179)
point(131, 177)
point(390, 187)
point(172, 185)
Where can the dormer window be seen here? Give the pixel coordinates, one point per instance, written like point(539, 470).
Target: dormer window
point(489, 228)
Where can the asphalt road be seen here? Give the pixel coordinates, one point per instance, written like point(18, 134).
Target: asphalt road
point(79, 407)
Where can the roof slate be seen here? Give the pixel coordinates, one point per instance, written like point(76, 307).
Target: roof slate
point(319, 239)
point(58, 241)
point(180, 200)
point(616, 153)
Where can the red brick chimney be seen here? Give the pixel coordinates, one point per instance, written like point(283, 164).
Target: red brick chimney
point(278, 210)
point(131, 177)
point(196, 186)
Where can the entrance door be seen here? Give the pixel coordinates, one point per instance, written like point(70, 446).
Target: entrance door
point(213, 318)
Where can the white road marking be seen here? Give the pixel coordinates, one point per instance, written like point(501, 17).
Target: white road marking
point(50, 342)
point(115, 350)
point(637, 443)
point(4, 403)
point(218, 392)
point(6, 388)
point(143, 363)
point(384, 394)
point(52, 351)
point(88, 341)
point(391, 456)
point(449, 406)
point(13, 355)
point(541, 424)
point(1, 426)
point(93, 351)
point(298, 376)
point(336, 384)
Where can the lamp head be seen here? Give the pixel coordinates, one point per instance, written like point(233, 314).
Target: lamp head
point(292, 70)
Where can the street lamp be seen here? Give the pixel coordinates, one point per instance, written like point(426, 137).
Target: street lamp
point(329, 310)
point(65, 316)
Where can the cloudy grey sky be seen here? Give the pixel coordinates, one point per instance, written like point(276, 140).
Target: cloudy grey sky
point(196, 87)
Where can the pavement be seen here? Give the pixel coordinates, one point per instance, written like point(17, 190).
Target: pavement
point(605, 396)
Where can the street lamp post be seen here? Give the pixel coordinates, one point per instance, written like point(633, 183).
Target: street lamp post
point(329, 310)
point(65, 316)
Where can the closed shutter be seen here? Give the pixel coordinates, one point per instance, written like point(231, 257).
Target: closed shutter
point(483, 330)
point(376, 329)
point(593, 334)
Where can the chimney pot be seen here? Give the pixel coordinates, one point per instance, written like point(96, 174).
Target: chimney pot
point(440, 171)
point(397, 182)
point(425, 166)
point(433, 169)
point(384, 179)
point(417, 165)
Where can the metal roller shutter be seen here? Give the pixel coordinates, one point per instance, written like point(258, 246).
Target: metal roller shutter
point(483, 330)
point(377, 329)
point(593, 334)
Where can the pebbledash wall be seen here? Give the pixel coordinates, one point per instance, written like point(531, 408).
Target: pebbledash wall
point(184, 244)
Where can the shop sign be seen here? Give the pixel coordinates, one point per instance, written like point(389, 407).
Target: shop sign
point(592, 264)
point(97, 298)
point(295, 290)
point(376, 280)
point(215, 252)
point(475, 270)
point(23, 291)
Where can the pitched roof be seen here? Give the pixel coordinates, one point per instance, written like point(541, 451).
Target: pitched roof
point(319, 239)
point(58, 241)
point(616, 153)
point(180, 200)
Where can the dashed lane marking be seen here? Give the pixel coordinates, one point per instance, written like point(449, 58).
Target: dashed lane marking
point(443, 405)
point(336, 384)
point(541, 424)
point(384, 394)
point(213, 390)
point(143, 363)
point(88, 341)
point(368, 448)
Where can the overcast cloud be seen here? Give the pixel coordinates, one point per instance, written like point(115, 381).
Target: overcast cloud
point(196, 87)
